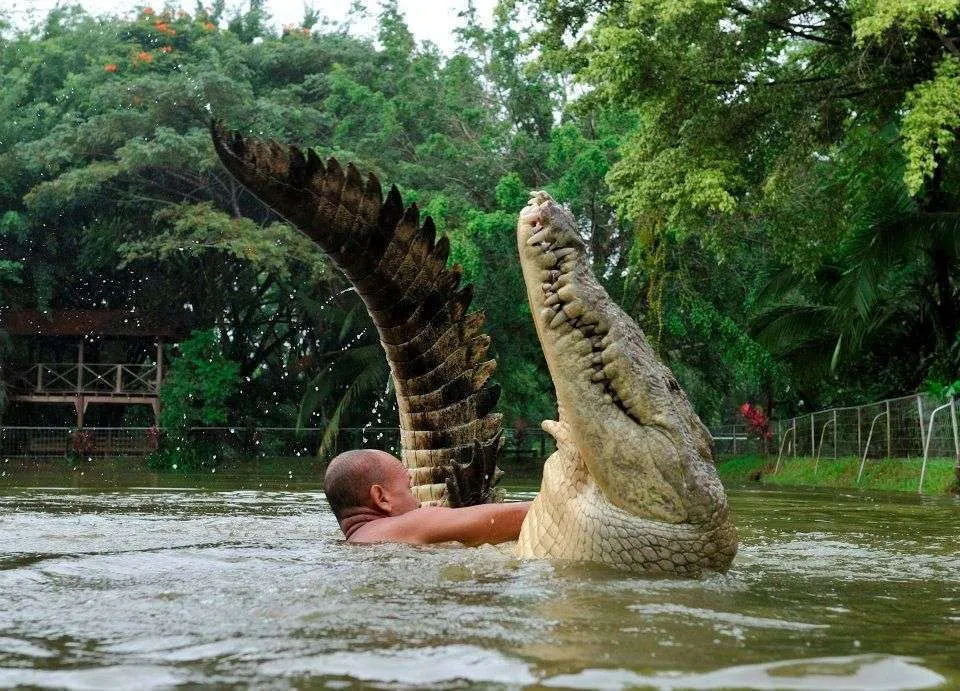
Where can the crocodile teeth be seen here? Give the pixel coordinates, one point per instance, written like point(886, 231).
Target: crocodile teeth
point(558, 319)
point(546, 260)
point(552, 299)
point(538, 237)
point(573, 309)
point(546, 314)
point(563, 251)
point(547, 287)
point(598, 376)
point(596, 359)
point(566, 293)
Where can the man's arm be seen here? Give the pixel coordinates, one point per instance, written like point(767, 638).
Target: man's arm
point(471, 525)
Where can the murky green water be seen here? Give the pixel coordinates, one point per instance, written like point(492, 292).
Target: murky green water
point(155, 588)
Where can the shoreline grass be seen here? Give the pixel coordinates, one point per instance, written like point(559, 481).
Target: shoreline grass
point(888, 474)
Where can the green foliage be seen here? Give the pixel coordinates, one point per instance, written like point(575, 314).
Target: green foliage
point(930, 125)
point(806, 151)
point(876, 17)
point(199, 384)
point(944, 390)
point(196, 392)
point(769, 188)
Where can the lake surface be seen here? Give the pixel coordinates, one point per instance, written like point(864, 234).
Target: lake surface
point(146, 588)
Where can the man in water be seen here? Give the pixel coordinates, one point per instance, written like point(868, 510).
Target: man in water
point(369, 492)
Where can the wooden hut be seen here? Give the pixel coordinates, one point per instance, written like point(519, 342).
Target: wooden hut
point(84, 357)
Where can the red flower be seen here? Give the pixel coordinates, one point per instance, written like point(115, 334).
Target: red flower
point(143, 56)
point(757, 423)
point(110, 67)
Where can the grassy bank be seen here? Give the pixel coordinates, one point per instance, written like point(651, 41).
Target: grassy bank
point(892, 474)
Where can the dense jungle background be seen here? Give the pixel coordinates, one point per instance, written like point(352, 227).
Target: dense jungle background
point(768, 186)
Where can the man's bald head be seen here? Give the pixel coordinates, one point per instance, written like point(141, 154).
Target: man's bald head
point(350, 475)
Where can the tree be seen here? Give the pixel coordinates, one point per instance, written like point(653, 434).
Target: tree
point(805, 150)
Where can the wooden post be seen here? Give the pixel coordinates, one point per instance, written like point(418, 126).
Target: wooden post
point(80, 368)
point(889, 447)
point(80, 404)
point(159, 364)
point(118, 380)
point(734, 440)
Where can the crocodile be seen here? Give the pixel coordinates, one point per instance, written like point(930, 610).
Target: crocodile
point(631, 484)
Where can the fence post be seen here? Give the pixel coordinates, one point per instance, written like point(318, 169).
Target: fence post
point(889, 447)
point(813, 436)
point(734, 440)
point(860, 432)
point(923, 441)
point(834, 433)
point(956, 435)
point(794, 424)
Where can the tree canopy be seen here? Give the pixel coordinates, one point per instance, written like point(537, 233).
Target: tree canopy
point(768, 187)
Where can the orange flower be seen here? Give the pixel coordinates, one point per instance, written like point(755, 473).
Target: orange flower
point(110, 67)
point(167, 49)
point(209, 26)
point(143, 56)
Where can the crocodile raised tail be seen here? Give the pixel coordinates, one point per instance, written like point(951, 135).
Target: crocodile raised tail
point(434, 344)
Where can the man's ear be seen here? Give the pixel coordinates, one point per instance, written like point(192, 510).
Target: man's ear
point(378, 497)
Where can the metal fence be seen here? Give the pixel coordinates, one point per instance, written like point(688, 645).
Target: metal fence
point(914, 426)
point(520, 445)
point(908, 427)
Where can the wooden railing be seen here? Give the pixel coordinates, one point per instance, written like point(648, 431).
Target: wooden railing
point(104, 379)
